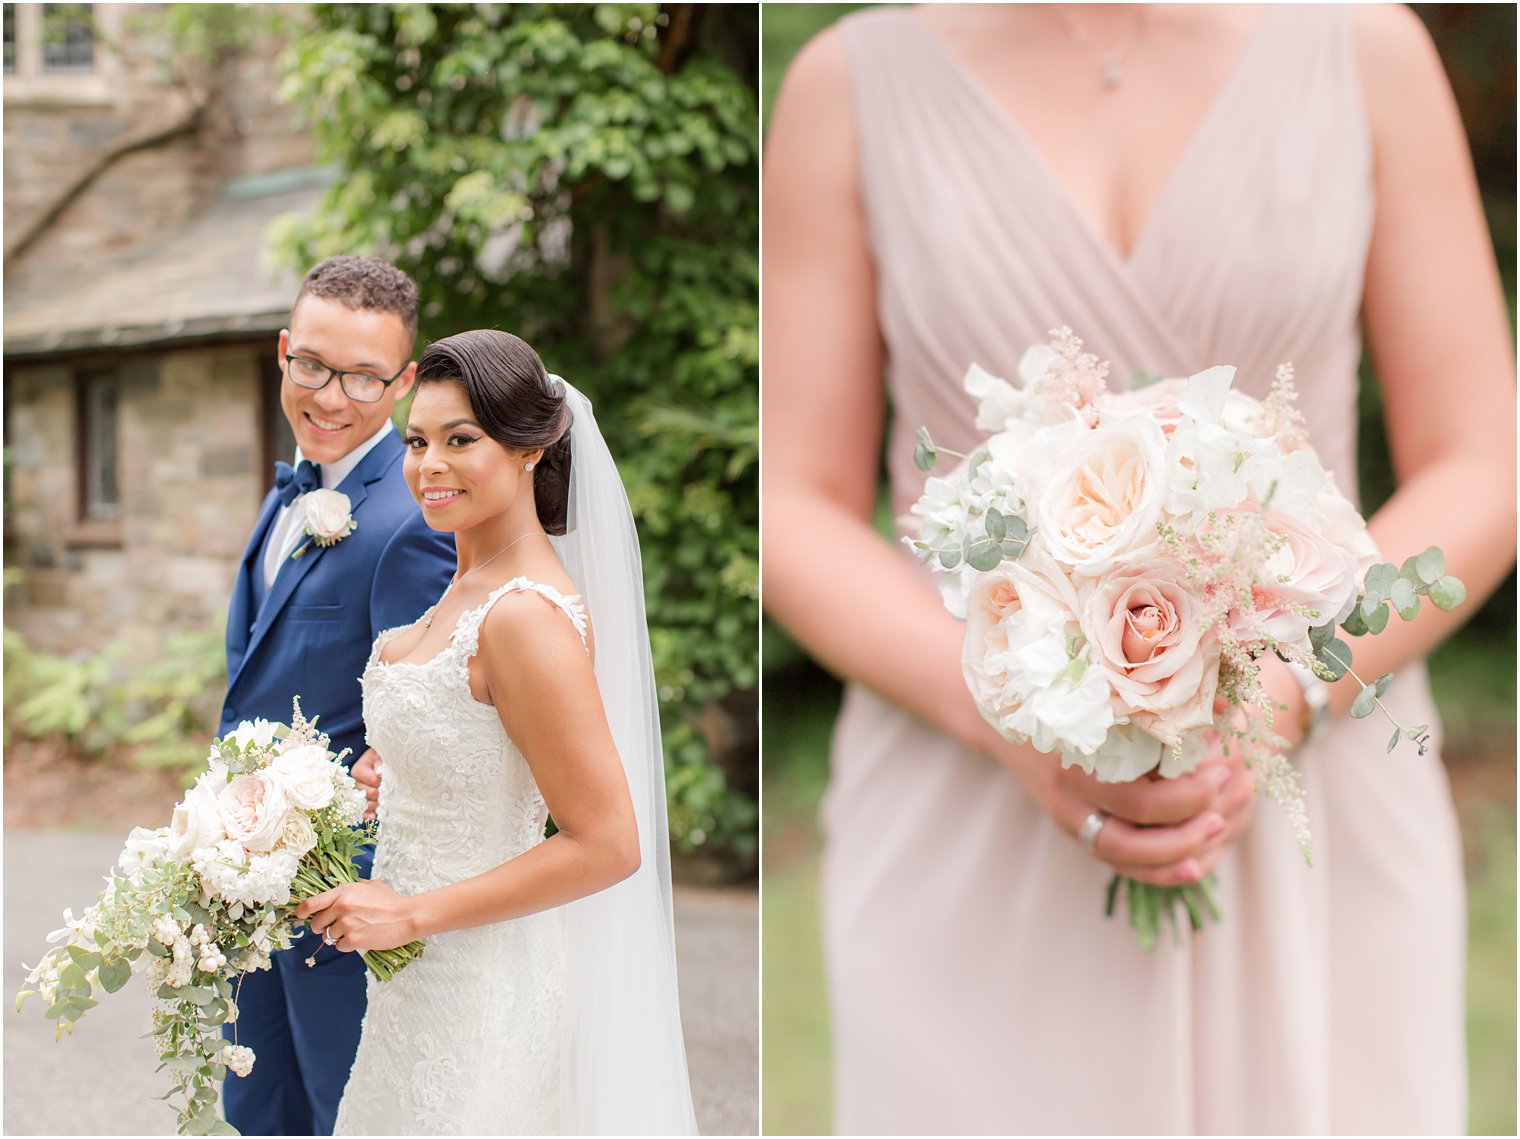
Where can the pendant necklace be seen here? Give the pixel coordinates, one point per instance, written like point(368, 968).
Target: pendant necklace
point(1111, 62)
point(428, 621)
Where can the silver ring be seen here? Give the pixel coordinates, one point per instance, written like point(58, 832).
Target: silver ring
point(327, 937)
point(1091, 827)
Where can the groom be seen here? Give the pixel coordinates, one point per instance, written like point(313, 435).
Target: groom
point(304, 615)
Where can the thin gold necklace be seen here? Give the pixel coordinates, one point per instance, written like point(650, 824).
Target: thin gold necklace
point(428, 622)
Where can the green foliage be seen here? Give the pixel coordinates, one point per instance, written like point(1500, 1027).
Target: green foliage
point(163, 709)
point(586, 176)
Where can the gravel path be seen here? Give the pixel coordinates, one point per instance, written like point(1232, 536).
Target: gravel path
point(101, 1080)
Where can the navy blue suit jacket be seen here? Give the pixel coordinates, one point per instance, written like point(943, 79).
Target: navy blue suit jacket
point(311, 636)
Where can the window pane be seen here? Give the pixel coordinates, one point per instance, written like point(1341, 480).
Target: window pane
point(102, 491)
point(68, 41)
point(10, 39)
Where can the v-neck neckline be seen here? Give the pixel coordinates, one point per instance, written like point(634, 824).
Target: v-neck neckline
point(1123, 261)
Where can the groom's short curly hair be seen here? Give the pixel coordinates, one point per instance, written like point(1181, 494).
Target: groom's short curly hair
point(363, 283)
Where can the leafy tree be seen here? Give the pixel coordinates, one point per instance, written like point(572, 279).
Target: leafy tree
point(584, 175)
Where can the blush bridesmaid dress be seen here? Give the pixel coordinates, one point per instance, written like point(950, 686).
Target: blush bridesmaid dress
point(975, 985)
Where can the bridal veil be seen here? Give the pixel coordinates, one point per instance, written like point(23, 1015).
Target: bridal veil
point(624, 1059)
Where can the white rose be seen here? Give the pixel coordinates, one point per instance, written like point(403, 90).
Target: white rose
point(1130, 752)
point(197, 821)
point(253, 808)
point(328, 516)
point(1104, 495)
point(1017, 663)
point(299, 835)
point(306, 775)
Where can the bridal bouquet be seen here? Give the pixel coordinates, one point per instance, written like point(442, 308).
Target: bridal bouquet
point(1123, 561)
point(194, 905)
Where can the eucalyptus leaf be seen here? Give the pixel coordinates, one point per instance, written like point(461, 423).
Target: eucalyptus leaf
point(1431, 565)
point(1353, 626)
point(158, 949)
point(984, 555)
point(1380, 579)
point(1363, 705)
point(1335, 656)
point(1381, 684)
point(1410, 570)
point(84, 958)
point(115, 974)
point(1403, 598)
point(1321, 635)
point(1017, 527)
point(949, 557)
point(1377, 620)
point(1394, 741)
point(997, 526)
point(1012, 548)
point(1448, 593)
point(72, 977)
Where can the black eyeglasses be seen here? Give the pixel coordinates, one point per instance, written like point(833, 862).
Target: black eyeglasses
point(359, 386)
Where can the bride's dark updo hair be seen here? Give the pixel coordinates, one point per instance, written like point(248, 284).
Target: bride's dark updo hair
point(515, 401)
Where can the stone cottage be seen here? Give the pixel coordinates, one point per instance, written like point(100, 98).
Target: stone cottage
point(141, 386)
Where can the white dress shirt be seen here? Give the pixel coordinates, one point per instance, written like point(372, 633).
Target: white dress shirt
point(289, 525)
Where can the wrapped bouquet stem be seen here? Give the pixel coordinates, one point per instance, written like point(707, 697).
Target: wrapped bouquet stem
point(193, 906)
point(1125, 561)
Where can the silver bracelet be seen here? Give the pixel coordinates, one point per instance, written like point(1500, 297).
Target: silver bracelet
point(1316, 701)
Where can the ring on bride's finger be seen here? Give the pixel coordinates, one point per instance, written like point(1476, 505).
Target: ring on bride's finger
point(327, 938)
point(1091, 827)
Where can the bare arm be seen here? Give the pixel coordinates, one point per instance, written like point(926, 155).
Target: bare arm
point(1439, 334)
point(846, 595)
point(548, 702)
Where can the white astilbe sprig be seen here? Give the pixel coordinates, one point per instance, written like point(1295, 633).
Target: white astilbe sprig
point(1063, 373)
point(1278, 418)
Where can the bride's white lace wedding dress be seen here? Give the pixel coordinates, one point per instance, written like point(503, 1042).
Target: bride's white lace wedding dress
point(466, 1039)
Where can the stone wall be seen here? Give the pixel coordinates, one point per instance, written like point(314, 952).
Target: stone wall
point(189, 449)
point(52, 138)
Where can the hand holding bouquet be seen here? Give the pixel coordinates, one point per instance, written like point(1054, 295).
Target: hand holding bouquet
point(1124, 561)
point(194, 905)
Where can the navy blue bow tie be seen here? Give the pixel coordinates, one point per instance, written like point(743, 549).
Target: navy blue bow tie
point(292, 483)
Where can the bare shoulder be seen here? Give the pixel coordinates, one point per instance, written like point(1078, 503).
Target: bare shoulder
point(526, 626)
point(821, 68)
point(814, 113)
point(1399, 67)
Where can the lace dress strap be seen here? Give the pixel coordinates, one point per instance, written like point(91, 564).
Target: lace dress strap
point(385, 637)
point(466, 635)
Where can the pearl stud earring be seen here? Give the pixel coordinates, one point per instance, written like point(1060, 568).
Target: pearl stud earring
point(529, 465)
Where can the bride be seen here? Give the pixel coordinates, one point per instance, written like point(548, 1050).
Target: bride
point(545, 1002)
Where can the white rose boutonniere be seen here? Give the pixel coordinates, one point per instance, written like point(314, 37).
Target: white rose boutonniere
point(328, 518)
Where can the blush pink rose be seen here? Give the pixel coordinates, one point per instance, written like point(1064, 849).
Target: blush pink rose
point(253, 809)
point(1158, 400)
point(1306, 572)
point(1146, 629)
